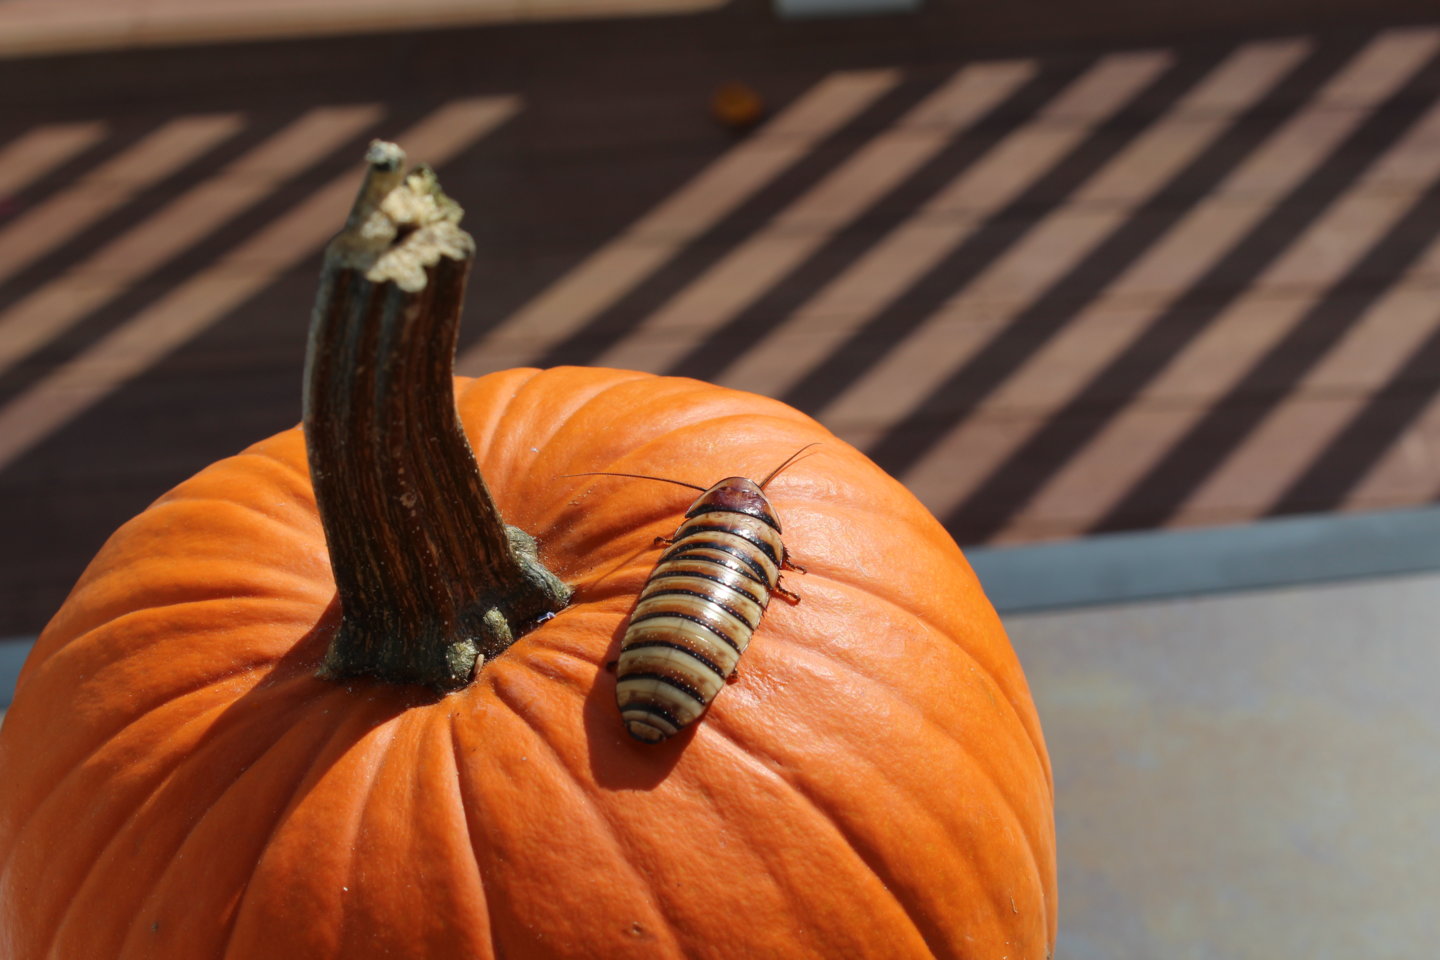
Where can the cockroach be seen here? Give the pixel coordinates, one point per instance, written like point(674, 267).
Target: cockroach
point(701, 604)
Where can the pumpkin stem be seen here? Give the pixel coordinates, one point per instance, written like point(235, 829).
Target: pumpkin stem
point(431, 581)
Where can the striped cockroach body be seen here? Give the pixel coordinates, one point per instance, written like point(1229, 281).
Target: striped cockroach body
point(700, 606)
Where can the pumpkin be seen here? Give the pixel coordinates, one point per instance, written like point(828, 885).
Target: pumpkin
point(184, 773)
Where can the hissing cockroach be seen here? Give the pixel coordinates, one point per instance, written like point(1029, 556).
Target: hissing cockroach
point(701, 604)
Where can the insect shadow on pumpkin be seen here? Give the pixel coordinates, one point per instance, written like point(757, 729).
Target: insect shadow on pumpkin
point(701, 604)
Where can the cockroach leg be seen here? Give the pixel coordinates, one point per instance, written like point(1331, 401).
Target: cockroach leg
point(789, 595)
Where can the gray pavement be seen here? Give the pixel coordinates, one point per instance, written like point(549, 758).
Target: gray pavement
point(1245, 775)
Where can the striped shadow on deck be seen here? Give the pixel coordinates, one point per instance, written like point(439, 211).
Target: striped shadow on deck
point(206, 296)
point(1155, 289)
point(1148, 288)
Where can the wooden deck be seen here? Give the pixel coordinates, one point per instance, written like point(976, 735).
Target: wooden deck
point(1056, 293)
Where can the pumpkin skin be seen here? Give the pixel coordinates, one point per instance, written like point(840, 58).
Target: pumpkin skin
point(177, 783)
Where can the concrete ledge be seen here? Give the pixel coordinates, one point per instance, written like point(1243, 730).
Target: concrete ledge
point(1124, 568)
point(13, 652)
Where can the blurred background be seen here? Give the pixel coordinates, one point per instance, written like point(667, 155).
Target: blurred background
point(1139, 298)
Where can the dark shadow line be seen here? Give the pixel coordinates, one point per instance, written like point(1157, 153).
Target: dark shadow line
point(1368, 435)
point(1388, 414)
point(880, 335)
point(1272, 379)
point(906, 442)
point(138, 208)
point(210, 248)
point(619, 320)
point(1113, 389)
point(731, 340)
point(909, 440)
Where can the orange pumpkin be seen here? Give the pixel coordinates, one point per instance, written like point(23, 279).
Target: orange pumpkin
point(176, 781)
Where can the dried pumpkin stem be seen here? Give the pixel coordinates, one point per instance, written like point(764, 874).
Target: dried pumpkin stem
point(431, 581)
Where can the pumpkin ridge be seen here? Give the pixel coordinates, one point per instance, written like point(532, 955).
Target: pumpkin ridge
point(231, 591)
point(179, 496)
point(74, 768)
point(929, 930)
point(782, 636)
point(47, 649)
point(529, 411)
point(621, 380)
point(882, 513)
point(379, 745)
point(569, 417)
point(605, 827)
point(592, 658)
point(180, 763)
point(304, 704)
point(629, 378)
point(925, 928)
point(173, 570)
point(714, 424)
point(470, 806)
point(616, 547)
point(992, 777)
point(316, 769)
point(777, 412)
point(604, 391)
point(667, 438)
point(767, 766)
point(259, 451)
point(835, 577)
point(595, 607)
point(545, 520)
point(498, 417)
point(258, 661)
point(527, 660)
